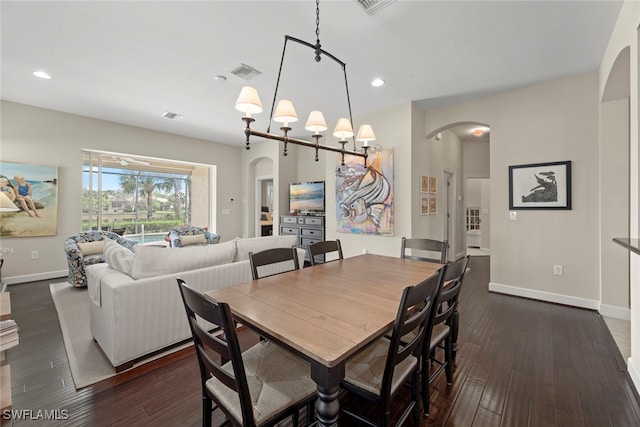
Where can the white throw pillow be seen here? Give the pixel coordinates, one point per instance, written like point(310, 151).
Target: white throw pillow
point(118, 257)
point(154, 261)
point(91, 248)
point(196, 239)
point(257, 244)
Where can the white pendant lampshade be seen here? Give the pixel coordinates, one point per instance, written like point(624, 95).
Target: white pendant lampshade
point(285, 113)
point(316, 122)
point(365, 134)
point(343, 129)
point(249, 102)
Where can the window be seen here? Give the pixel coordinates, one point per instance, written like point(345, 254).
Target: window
point(473, 219)
point(141, 197)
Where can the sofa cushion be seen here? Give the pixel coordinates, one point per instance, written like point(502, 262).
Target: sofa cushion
point(91, 248)
point(152, 261)
point(257, 244)
point(118, 257)
point(196, 239)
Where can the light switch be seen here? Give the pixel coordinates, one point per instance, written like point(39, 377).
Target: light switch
point(513, 215)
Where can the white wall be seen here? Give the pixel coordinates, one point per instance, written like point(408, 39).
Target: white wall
point(552, 121)
point(45, 137)
point(393, 129)
point(626, 34)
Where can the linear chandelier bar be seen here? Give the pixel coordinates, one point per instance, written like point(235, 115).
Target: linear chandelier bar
point(249, 103)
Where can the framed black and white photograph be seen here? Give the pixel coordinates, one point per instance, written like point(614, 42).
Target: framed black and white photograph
point(540, 186)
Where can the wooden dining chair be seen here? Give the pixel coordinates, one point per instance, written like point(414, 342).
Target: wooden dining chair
point(318, 251)
point(421, 244)
point(271, 257)
point(379, 371)
point(280, 384)
point(442, 333)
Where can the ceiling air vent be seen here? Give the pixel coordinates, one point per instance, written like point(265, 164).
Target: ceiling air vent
point(171, 115)
point(246, 72)
point(372, 6)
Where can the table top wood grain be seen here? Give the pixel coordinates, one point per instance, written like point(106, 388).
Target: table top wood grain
point(327, 312)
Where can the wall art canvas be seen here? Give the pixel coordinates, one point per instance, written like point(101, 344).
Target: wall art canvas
point(364, 195)
point(540, 186)
point(28, 200)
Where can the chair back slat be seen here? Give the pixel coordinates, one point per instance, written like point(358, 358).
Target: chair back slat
point(222, 341)
point(322, 248)
point(448, 299)
point(415, 313)
point(272, 256)
point(428, 245)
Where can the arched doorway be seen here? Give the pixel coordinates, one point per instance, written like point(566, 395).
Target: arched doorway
point(614, 201)
point(458, 152)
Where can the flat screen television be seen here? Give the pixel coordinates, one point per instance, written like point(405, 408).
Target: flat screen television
point(306, 197)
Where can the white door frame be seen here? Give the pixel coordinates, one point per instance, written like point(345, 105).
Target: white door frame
point(463, 227)
point(257, 231)
point(449, 208)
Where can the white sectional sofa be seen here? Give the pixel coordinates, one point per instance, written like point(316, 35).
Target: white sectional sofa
point(136, 307)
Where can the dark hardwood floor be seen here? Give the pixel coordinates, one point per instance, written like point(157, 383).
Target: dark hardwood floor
point(520, 363)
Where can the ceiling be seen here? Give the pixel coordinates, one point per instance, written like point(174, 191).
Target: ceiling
point(129, 62)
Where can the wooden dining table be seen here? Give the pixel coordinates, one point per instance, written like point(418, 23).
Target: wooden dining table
point(326, 313)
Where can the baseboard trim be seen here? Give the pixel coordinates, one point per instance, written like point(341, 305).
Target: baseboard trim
point(35, 277)
point(634, 374)
point(616, 312)
point(544, 296)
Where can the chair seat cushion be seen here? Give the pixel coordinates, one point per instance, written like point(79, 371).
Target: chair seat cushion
point(439, 333)
point(276, 378)
point(93, 259)
point(366, 369)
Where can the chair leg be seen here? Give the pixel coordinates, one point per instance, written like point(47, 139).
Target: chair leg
point(310, 412)
point(455, 324)
point(425, 384)
point(206, 411)
point(447, 360)
point(294, 419)
point(414, 398)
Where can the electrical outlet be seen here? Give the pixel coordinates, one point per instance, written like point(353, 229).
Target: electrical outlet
point(513, 215)
point(34, 254)
point(558, 270)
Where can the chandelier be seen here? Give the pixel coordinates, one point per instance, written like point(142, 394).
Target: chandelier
point(249, 103)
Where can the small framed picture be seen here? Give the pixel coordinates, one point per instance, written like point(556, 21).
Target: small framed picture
point(433, 205)
point(424, 183)
point(433, 185)
point(424, 205)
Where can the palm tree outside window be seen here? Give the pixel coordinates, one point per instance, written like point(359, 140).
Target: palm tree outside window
point(139, 195)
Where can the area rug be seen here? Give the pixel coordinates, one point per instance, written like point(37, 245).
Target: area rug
point(87, 363)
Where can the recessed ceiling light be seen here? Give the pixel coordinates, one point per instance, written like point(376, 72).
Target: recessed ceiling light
point(479, 131)
point(377, 82)
point(41, 74)
point(220, 78)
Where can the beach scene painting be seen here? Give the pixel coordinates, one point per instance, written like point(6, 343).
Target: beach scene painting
point(364, 195)
point(28, 200)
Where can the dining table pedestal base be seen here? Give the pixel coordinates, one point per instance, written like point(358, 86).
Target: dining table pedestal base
point(328, 406)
